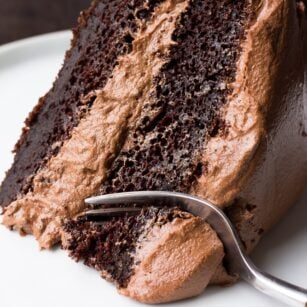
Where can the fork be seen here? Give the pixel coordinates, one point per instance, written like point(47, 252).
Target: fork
point(238, 263)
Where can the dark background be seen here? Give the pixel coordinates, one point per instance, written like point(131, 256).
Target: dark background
point(23, 18)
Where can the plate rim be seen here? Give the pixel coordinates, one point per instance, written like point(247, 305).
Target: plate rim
point(31, 41)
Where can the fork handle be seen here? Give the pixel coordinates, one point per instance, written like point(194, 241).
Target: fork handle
point(275, 287)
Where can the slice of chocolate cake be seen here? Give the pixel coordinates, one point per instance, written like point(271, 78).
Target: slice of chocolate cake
point(197, 96)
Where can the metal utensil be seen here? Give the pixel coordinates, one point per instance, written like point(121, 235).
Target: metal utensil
point(238, 263)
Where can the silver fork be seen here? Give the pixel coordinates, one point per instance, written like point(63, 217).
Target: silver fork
point(238, 263)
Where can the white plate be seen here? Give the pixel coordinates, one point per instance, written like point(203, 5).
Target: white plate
point(30, 278)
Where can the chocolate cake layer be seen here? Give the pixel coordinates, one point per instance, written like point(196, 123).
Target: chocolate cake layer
point(104, 33)
point(184, 107)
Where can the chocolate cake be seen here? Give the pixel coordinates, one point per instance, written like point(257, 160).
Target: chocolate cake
point(197, 96)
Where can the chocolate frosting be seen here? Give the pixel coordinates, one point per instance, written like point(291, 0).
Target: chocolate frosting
point(176, 261)
point(280, 165)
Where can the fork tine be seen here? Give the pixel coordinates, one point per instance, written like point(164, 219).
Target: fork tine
point(111, 199)
point(125, 198)
point(110, 212)
point(144, 197)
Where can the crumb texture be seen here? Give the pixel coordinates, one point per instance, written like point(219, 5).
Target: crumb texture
point(184, 110)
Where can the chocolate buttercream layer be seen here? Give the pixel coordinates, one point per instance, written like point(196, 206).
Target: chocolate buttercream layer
point(174, 261)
